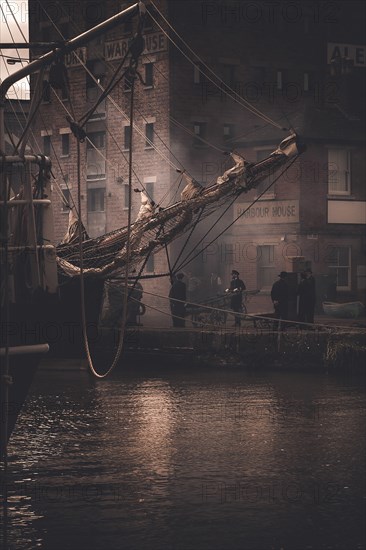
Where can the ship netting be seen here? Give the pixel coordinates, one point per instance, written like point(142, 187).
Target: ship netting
point(107, 256)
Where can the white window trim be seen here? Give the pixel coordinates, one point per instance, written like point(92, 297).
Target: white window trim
point(349, 267)
point(334, 192)
point(150, 179)
point(149, 120)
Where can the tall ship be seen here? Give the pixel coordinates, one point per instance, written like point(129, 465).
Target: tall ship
point(44, 284)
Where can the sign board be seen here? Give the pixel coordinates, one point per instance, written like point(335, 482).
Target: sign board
point(347, 212)
point(116, 49)
point(263, 212)
point(353, 51)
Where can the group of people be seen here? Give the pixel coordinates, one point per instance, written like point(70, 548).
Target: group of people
point(178, 296)
point(280, 296)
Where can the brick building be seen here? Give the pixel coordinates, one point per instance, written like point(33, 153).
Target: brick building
point(302, 64)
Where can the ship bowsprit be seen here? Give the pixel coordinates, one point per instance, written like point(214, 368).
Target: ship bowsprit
point(107, 255)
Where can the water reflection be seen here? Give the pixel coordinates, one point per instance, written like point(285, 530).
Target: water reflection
point(210, 459)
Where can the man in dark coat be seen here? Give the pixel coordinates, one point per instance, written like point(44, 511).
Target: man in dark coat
point(307, 297)
point(302, 292)
point(279, 296)
point(236, 289)
point(178, 291)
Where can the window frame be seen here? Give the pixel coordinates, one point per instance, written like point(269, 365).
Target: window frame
point(261, 267)
point(149, 78)
point(337, 267)
point(202, 126)
point(126, 137)
point(47, 145)
point(65, 145)
point(126, 195)
point(102, 193)
point(149, 129)
point(100, 136)
point(66, 192)
point(348, 173)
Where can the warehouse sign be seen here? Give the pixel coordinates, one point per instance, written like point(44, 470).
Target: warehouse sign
point(153, 43)
point(355, 52)
point(267, 212)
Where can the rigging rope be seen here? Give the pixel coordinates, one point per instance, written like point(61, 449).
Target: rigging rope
point(128, 251)
point(119, 109)
point(244, 103)
point(186, 262)
point(181, 126)
point(250, 316)
point(58, 188)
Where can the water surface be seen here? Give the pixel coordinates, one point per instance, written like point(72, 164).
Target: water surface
point(199, 459)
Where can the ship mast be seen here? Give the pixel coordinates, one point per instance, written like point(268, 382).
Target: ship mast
point(37, 65)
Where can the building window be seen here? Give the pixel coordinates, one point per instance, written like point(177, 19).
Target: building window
point(339, 176)
point(149, 74)
point(266, 273)
point(47, 145)
point(96, 199)
point(199, 129)
point(95, 139)
point(127, 137)
point(95, 79)
point(339, 263)
point(149, 132)
point(65, 207)
point(127, 195)
point(127, 82)
point(65, 144)
point(264, 184)
point(228, 131)
point(150, 264)
point(149, 187)
point(95, 151)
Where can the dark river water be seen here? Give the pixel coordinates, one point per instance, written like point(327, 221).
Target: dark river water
point(187, 460)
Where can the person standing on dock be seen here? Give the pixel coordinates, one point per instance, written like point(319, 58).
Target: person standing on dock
point(279, 296)
point(307, 297)
point(178, 291)
point(236, 289)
